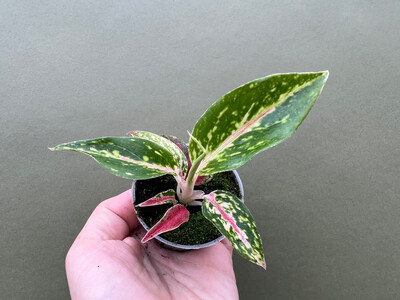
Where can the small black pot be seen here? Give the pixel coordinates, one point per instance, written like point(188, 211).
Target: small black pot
point(179, 247)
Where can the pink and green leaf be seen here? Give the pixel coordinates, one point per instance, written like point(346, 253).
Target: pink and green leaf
point(203, 179)
point(129, 157)
point(184, 147)
point(161, 198)
point(253, 118)
point(233, 219)
point(181, 145)
point(172, 219)
point(174, 149)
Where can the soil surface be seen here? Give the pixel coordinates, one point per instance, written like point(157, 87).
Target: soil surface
point(198, 230)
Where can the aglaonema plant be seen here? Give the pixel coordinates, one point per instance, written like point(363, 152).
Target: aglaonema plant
point(244, 122)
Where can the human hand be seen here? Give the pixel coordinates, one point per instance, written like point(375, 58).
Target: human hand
point(108, 261)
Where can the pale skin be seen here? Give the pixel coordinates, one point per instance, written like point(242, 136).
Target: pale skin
point(108, 261)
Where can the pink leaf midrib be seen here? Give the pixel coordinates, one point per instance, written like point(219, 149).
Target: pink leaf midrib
point(157, 201)
point(233, 137)
point(228, 218)
point(172, 219)
point(149, 165)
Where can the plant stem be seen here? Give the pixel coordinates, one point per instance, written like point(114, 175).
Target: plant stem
point(187, 190)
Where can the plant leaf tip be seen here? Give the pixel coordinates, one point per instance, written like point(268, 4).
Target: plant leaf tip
point(132, 133)
point(263, 265)
point(326, 73)
point(146, 238)
point(52, 148)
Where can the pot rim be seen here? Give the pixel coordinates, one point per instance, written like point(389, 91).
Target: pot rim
point(175, 246)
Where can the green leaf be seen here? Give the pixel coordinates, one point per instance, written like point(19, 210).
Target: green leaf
point(128, 157)
point(173, 148)
point(253, 118)
point(233, 219)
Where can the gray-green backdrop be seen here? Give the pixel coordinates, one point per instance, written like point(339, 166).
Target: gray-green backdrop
point(326, 201)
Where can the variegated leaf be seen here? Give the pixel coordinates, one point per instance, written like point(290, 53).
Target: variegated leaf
point(233, 219)
point(184, 147)
point(181, 145)
point(161, 198)
point(172, 219)
point(128, 157)
point(176, 150)
point(203, 179)
point(253, 118)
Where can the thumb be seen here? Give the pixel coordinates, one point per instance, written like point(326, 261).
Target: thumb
point(113, 219)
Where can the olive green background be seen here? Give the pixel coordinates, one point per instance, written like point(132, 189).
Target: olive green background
point(326, 201)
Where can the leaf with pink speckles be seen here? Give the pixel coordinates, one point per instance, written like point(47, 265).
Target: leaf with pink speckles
point(233, 219)
point(181, 144)
point(253, 118)
point(184, 147)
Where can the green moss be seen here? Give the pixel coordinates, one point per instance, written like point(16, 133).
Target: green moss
point(197, 230)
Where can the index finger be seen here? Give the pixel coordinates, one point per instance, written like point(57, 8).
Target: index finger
point(113, 219)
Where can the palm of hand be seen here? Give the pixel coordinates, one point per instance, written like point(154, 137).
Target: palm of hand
point(107, 263)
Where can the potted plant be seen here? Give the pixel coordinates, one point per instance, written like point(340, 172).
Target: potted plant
point(244, 122)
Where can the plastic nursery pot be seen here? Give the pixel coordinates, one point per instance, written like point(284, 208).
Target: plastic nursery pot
point(140, 188)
